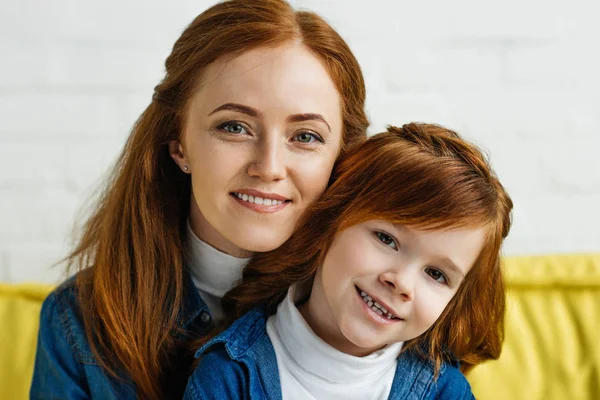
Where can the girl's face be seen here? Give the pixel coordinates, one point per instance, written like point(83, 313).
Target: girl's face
point(261, 137)
point(382, 283)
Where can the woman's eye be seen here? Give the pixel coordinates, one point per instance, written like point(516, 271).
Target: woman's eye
point(437, 275)
point(387, 240)
point(307, 137)
point(232, 127)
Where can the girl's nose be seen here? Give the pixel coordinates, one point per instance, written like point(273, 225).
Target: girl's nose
point(400, 282)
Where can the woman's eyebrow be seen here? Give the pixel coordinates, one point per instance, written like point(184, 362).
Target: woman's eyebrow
point(238, 108)
point(308, 117)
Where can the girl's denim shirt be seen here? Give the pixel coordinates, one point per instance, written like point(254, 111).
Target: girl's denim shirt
point(240, 363)
point(65, 367)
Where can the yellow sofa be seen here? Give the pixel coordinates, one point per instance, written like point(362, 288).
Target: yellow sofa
point(551, 349)
point(550, 352)
point(19, 320)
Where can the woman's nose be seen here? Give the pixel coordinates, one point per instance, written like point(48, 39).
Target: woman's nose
point(268, 162)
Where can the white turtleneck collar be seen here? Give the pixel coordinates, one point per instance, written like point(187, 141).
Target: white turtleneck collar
point(213, 272)
point(310, 368)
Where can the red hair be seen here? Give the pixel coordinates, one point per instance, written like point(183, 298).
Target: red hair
point(423, 176)
point(132, 245)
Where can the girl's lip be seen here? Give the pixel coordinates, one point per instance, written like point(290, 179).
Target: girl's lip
point(263, 195)
point(388, 308)
point(373, 316)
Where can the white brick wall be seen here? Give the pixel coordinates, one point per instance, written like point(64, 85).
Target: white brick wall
point(519, 77)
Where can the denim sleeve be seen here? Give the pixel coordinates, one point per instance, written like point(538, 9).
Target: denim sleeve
point(57, 373)
point(218, 377)
point(452, 385)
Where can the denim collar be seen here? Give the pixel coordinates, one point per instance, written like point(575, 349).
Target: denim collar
point(241, 335)
point(193, 305)
point(246, 340)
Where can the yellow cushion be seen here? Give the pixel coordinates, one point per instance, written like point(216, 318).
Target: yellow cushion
point(552, 329)
point(550, 351)
point(19, 320)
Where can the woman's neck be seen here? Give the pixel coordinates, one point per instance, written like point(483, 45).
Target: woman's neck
point(209, 235)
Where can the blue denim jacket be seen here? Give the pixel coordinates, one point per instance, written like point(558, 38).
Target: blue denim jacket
point(240, 363)
point(65, 367)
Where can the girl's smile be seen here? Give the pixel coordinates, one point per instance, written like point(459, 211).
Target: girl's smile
point(374, 309)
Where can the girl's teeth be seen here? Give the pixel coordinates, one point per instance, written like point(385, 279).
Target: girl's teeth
point(258, 200)
point(381, 307)
point(375, 306)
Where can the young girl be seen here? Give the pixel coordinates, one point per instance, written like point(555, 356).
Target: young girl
point(390, 280)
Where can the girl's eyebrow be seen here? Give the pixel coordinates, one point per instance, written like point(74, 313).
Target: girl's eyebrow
point(447, 262)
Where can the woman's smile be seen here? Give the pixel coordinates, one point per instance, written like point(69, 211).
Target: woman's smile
point(260, 201)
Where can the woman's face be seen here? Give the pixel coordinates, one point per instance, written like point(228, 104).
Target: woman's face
point(382, 283)
point(260, 139)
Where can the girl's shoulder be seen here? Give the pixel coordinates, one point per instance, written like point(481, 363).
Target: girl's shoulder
point(240, 336)
point(415, 379)
point(238, 363)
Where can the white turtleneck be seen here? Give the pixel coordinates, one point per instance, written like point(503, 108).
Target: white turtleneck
point(213, 272)
point(309, 368)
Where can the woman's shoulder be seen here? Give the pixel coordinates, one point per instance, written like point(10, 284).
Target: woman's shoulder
point(61, 319)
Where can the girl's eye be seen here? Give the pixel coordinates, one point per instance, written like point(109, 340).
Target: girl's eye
point(387, 240)
point(232, 127)
point(437, 275)
point(307, 137)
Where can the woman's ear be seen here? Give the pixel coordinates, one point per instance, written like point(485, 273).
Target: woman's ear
point(177, 154)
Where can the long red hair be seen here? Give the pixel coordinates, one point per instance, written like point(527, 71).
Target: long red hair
point(422, 176)
point(131, 248)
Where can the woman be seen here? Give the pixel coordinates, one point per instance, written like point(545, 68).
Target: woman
point(241, 136)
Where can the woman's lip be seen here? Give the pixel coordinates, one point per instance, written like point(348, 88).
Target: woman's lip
point(263, 195)
point(375, 299)
point(261, 208)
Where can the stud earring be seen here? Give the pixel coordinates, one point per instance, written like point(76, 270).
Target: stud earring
point(185, 168)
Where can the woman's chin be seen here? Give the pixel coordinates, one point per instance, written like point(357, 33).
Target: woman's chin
point(259, 241)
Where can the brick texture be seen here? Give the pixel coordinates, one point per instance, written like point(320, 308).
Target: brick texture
point(519, 78)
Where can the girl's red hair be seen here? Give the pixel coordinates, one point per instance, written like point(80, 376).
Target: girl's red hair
point(132, 246)
point(422, 176)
